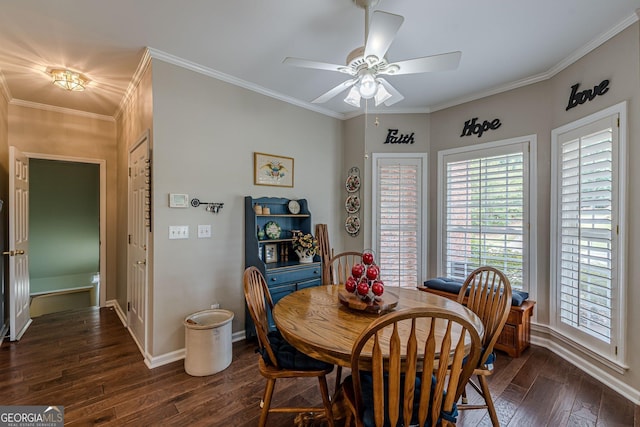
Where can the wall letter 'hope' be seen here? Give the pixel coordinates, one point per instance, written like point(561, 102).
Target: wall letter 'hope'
point(471, 127)
point(586, 95)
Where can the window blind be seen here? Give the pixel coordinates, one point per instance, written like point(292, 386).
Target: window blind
point(485, 215)
point(586, 240)
point(399, 220)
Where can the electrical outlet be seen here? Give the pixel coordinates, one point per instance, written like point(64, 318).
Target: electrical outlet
point(178, 232)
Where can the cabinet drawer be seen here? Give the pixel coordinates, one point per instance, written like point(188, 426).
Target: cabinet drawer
point(289, 275)
point(309, 283)
point(279, 292)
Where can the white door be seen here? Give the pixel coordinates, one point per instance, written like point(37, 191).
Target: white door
point(399, 202)
point(139, 186)
point(19, 317)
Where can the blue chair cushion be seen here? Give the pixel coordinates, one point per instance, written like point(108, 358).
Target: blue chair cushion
point(453, 286)
point(366, 382)
point(288, 357)
point(491, 359)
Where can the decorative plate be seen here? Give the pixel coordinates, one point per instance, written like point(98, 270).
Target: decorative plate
point(272, 230)
point(352, 205)
point(352, 225)
point(353, 183)
point(294, 207)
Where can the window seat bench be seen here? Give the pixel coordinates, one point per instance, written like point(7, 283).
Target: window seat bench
point(516, 334)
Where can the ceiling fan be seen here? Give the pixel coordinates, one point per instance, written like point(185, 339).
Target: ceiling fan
point(368, 63)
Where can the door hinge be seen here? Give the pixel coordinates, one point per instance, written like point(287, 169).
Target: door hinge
point(129, 238)
point(128, 306)
point(617, 229)
point(616, 350)
point(618, 121)
point(129, 172)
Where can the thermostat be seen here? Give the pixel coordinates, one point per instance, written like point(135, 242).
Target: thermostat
point(178, 200)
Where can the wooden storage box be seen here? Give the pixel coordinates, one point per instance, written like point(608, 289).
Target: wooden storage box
point(516, 334)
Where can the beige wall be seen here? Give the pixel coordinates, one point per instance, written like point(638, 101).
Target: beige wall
point(537, 109)
point(205, 134)
point(134, 121)
point(61, 134)
point(362, 138)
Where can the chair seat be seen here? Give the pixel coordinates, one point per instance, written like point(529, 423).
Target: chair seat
point(488, 364)
point(366, 381)
point(288, 357)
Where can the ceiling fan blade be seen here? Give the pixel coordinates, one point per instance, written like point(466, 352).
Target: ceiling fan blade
point(395, 95)
point(382, 29)
point(333, 92)
point(442, 62)
point(305, 63)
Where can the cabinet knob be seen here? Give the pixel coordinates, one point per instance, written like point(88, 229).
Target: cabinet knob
point(273, 279)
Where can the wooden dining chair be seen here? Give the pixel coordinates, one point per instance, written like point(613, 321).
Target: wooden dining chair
point(270, 364)
point(407, 380)
point(339, 267)
point(337, 271)
point(487, 292)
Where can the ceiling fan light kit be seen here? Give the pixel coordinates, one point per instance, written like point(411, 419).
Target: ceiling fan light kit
point(368, 62)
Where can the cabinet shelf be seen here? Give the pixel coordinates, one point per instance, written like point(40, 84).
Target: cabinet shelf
point(285, 215)
point(274, 241)
point(286, 274)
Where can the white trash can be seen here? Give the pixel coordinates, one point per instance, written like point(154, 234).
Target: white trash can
point(207, 342)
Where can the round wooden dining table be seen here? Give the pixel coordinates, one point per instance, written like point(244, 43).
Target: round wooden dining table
point(315, 321)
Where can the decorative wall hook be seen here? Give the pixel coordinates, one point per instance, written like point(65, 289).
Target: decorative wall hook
point(211, 207)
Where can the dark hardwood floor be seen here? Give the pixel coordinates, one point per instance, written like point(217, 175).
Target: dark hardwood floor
point(86, 361)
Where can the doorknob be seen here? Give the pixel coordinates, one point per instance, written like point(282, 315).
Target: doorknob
point(143, 262)
point(13, 253)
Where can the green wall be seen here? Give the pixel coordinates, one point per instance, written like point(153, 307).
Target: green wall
point(64, 224)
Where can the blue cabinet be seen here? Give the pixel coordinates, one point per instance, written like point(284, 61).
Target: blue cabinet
point(273, 254)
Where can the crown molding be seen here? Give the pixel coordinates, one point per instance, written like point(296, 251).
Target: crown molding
point(593, 44)
point(38, 106)
point(144, 63)
point(574, 57)
point(189, 65)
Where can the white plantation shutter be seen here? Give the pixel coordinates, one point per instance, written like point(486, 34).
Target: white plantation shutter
point(485, 212)
point(398, 228)
point(587, 207)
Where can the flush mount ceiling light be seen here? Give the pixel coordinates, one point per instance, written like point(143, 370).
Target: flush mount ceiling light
point(69, 80)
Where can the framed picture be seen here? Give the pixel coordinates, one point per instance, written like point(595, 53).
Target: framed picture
point(269, 169)
point(271, 253)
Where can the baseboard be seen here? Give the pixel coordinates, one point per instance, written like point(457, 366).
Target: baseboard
point(114, 304)
point(163, 359)
point(174, 356)
point(544, 336)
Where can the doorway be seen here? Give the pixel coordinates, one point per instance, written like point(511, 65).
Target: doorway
point(77, 281)
point(64, 240)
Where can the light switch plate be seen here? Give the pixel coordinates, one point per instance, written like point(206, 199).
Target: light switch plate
point(178, 232)
point(204, 231)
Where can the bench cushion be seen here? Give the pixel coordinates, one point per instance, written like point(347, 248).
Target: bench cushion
point(453, 286)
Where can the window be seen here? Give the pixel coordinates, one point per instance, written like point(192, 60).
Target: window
point(398, 227)
point(586, 258)
point(484, 210)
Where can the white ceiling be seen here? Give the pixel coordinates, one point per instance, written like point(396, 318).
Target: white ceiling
point(504, 44)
